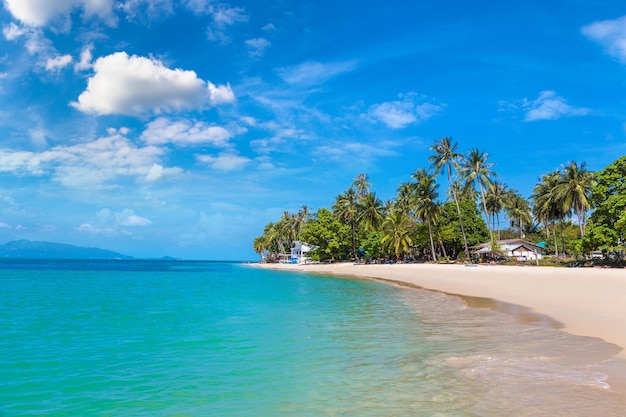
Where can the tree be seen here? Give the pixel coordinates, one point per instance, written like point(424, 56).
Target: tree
point(259, 246)
point(607, 224)
point(547, 208)
point(574, 190)
point(397, 232)
point(449, 226)
point(427, 209)
point(345, 209)
point(495, 200)
point(361, 185)
point(518, 211)
point(371, 212)
point(476, 171)
point(447, 157)
point(331, 237)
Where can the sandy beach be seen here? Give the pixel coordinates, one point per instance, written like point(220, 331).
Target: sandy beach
point(581, 301)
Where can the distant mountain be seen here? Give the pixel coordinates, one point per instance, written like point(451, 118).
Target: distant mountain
point(50, 250)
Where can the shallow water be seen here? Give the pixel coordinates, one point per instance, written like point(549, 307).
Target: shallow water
point(219, 339)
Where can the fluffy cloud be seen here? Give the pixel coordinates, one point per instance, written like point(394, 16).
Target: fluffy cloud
point(224, 161)
point(401, 113)
point(41, 12)
point(257, 46)
point(549, 106)
point(184, 132)
point(126, 217)
point(91, 164)
point(58, 62)
point(611, 34)
point(136, 85)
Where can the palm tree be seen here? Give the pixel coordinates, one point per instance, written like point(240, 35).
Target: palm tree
point(259, 245)
point(371, 212)
point(397, 232)
point(447, 156)
point(475, 170)
point(361, 185)
point(426, 208)
point(518, 211)
point(574, 190)
point(546, 206)
point(346, 210)
point(494, 200)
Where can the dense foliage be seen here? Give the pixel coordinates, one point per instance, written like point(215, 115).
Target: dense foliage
point(417, 224)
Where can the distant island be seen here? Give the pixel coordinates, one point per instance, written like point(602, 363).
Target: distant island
point(51, 250)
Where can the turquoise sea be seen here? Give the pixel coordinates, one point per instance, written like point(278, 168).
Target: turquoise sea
point(169, 338)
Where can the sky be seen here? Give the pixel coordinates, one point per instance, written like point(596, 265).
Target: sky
point(182, 127)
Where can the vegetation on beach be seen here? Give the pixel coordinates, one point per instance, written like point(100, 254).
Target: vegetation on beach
point(419, 224)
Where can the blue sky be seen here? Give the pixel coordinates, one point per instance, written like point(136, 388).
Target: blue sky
point(181, 128)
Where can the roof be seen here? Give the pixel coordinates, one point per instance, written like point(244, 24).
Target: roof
point(508, 244)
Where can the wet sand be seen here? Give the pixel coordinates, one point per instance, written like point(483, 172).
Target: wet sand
point(581, 301)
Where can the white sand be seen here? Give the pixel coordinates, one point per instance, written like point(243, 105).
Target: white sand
point(587, 301)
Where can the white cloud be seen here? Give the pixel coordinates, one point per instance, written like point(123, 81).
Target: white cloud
point(611, 34)
point(314, 73)
point(158, 172)
point(85, 59)
point(223, 16)
point(270, 27)
point(41, 12)
point(142, 9)
point(137, 85)
point(90, 165)
point(224, 161)
point(184, 132)
point(12, 31)
point(549, 106)
point(58, 62)
point(257, 46)
point(95, 230)
point(401, 113)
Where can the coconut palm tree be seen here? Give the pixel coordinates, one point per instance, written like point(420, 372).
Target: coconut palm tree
point(371, 212)
point(361, 185)
point(518, 211)
point(426, 208)
point(446, 156)
point(397, 232)
point(476, 171)
point(574, 190)
point(259, 246)
point(494, 200)
point(546, 206)
point(346, 209)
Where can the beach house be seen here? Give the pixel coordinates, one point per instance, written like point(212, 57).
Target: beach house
point(513, 248)
point(299, 252)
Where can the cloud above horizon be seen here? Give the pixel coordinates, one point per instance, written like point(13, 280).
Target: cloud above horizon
point(549, 106)
point(39, 13)
point(134, 85)
point(611, 34)
point(401, 113)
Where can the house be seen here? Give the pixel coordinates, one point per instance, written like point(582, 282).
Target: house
point(514, 248)
point(299, 252)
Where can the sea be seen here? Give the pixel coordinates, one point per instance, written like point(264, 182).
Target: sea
point(182, 338)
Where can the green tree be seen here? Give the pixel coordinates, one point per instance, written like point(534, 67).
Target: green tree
point(574, 190)
point(607, 224)
point(361, 185)
point(450, 228)
point(495, 201)
point(371, 212)
point(331, 237)
point(518, 212)
point(446, 156)
point(396, 230)
point(427, 209)
point(346, 210)
point(476, 171)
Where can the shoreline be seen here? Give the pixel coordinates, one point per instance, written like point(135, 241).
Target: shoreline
point(581, 301)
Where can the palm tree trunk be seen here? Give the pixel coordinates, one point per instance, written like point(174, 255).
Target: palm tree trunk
point(556, 246)
point(482, 193)
point(458, 210)
point(432, 244)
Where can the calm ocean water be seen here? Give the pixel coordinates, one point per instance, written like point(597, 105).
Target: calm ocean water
point(141, 338)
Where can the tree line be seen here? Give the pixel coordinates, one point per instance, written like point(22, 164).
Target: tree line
point(419, 223)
